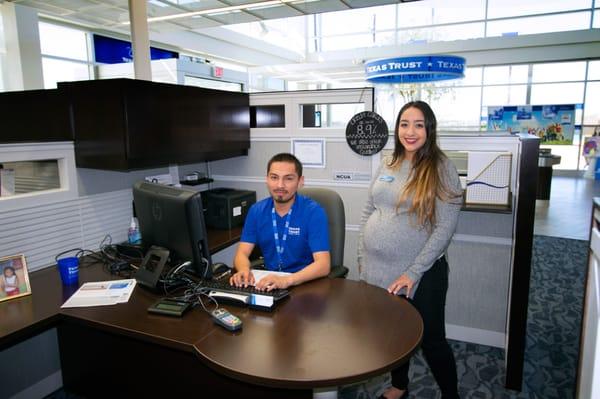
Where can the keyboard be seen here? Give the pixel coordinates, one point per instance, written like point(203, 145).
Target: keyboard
point(224, 286)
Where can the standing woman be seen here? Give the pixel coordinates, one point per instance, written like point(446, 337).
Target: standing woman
point(406, 226)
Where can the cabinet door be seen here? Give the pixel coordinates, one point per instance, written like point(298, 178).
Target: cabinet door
point(34, 116)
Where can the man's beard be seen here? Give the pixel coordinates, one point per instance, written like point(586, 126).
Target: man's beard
point(281, 200)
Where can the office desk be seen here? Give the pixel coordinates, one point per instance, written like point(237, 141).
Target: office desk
point(329, 332)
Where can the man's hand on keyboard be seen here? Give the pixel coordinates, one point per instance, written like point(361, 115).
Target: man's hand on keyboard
point(272, 281)
point(243, 278)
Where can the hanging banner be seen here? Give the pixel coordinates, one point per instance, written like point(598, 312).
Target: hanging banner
point(553, 124)
point(367, 133)
point(416, 69)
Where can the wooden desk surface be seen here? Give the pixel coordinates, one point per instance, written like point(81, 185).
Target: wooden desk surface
point(329, 332)
point(221, 239)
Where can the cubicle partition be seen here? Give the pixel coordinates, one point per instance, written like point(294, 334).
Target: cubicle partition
point(490, 253)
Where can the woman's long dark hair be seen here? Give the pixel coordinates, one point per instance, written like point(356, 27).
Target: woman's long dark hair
point(424, 183)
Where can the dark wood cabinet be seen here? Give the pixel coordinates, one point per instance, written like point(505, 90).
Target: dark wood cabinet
point(122, 124)
point(34, 116)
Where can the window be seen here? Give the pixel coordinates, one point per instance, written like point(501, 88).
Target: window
point(65, 55)
point(442, 33)
point(61, 71)
point(515, 8)
point(63, 42)
point(329, 115)
point(456, 109)
point(557, 93)
point(504, 95)
point(539, 24)
point(39, 173)
point(592, 104)
point(558, 72)
point(594, 70)
point(423, 13)
point(505, 74)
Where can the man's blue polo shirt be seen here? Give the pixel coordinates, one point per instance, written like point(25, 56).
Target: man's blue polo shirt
point(307, 233)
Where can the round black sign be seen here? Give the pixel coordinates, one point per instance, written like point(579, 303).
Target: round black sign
point(366, 133)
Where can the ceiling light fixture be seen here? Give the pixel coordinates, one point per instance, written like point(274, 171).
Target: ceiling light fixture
point(219, 10)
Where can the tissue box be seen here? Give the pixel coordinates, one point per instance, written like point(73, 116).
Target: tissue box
point(488, 178)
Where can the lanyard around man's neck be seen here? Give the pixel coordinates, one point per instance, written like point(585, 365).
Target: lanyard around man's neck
point(280, 247)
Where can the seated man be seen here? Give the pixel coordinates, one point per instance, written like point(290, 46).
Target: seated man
point(290, 229)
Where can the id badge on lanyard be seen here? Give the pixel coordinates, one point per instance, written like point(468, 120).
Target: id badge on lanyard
point(280, 246)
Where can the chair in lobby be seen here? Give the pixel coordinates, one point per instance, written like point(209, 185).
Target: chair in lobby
point(336, 218)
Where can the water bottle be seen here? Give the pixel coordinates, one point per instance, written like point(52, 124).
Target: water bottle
point(133, 235)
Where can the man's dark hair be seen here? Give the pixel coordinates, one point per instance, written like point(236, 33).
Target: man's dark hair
point(286, 157)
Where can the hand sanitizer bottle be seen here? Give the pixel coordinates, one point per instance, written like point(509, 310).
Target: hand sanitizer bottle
point(133, 235)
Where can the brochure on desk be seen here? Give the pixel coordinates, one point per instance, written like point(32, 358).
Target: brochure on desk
point(101, 293)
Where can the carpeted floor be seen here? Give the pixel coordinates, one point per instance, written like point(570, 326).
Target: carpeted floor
point(551, 354)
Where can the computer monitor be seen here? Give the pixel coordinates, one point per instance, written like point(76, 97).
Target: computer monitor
point(173, 218)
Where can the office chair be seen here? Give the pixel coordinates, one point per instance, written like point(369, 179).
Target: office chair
point(336, 218)
point(334, 208)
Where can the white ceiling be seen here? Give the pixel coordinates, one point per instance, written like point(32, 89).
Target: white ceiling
point(181, 31)
point(111, 14)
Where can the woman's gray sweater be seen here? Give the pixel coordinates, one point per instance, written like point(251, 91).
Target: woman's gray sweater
point(391, 241)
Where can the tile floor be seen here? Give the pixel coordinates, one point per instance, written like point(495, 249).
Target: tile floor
point(567, 214)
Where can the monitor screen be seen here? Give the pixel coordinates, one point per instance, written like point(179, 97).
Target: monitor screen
point(173, 218)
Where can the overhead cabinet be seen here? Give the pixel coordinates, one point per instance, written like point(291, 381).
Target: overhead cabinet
point(34, 116)
point(122, 124)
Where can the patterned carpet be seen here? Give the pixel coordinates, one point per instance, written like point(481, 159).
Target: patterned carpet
point(551, 354)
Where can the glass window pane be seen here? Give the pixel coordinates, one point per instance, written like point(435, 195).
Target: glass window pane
point(421, 13)
point(457, 108)
point(472, 78)
point(542, 24)
point(592, 104)
point(29, 176)
point(569, 155)
point(359, 20)
point(346, 42)
point(63, 42)
point(284, 32)
point(558, 72)
point(505, 74)
point(63, 71)
point(504, 95)
point(597, 19)
point(594, 70)
point(557, 93)
point(510, 8)
point(329, 115)
point(442, 33)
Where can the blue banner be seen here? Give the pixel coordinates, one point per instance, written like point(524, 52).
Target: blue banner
point(416, 69)
point(114, 51)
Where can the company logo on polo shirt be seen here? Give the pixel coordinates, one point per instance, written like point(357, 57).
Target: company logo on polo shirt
point(294, 231)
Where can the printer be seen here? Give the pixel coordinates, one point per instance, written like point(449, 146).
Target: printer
point(225, 208)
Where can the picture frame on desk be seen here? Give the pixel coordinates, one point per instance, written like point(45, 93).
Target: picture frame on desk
point(14, 278)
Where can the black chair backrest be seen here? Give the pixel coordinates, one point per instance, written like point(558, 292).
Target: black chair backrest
point(334, 208)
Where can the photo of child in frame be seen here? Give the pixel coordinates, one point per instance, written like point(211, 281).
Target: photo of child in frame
point(14, 279)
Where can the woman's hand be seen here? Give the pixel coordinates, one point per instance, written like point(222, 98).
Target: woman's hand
point(401, 282)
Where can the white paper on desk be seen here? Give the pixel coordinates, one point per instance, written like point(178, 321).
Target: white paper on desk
point(260, 274)
point(101, 293)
